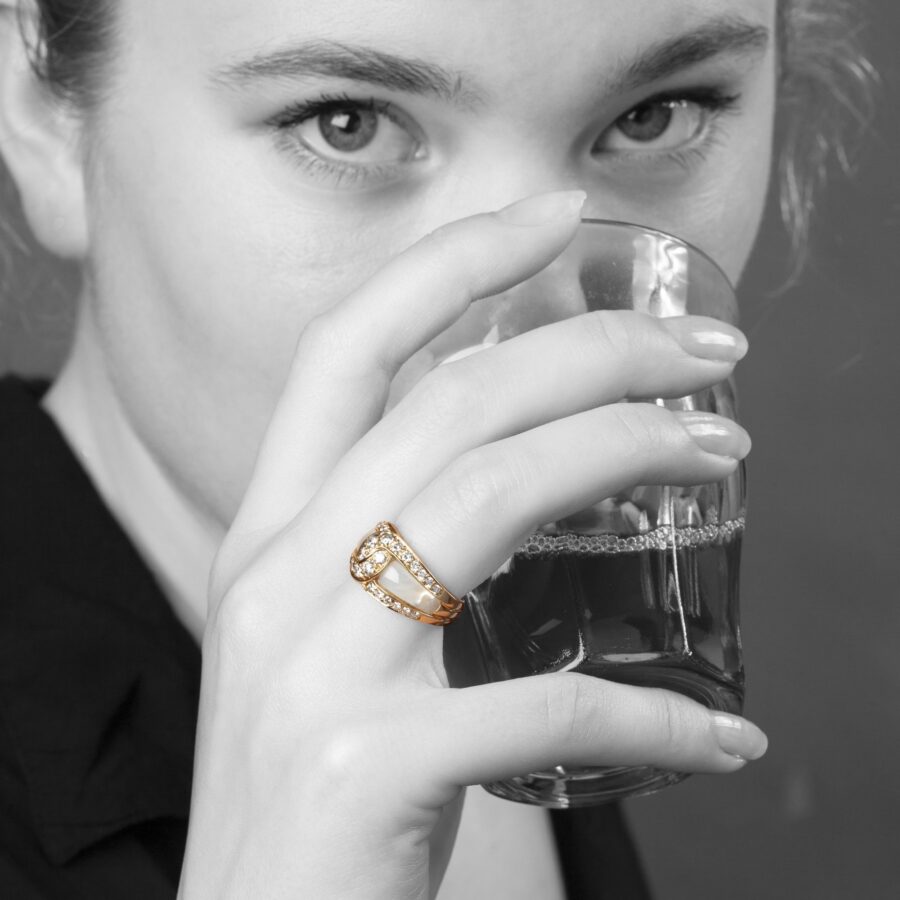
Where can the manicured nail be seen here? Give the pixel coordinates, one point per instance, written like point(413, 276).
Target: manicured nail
point(706, 338)
point(716, 434)
point(542, 209)
point(739, 738)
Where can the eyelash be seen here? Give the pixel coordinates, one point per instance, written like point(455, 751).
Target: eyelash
point(715, 105)
point(713, 102)
point(341, 173)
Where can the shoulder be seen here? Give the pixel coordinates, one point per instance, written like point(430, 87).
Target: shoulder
point(24, 871)
point(19, 401)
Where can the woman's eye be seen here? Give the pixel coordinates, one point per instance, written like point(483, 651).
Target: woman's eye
point(356, 134)
point(655, 125)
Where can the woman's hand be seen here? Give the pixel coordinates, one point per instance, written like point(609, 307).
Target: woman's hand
point(331, 754)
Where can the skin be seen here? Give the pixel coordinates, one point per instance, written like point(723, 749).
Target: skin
point(237, 300)
point(183, 231)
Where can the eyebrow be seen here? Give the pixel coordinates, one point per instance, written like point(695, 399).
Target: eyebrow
point(333, 59)
point(731, 35)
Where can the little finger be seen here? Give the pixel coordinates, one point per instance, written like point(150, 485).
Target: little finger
point(500, 730)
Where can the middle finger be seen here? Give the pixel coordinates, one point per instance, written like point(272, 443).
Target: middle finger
point(550, 373)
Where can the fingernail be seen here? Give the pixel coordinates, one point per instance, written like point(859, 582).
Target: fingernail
point(739, 738)
point(706, 338)
point(542, 209)
point(716, 434)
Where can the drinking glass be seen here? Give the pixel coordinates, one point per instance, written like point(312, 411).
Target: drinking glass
point(642, 587)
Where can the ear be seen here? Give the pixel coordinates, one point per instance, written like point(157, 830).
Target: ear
point(40, 141)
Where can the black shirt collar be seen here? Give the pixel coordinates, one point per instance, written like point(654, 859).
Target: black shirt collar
point(98, 680)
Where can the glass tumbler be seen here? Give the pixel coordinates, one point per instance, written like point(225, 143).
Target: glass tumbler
point(642, 587)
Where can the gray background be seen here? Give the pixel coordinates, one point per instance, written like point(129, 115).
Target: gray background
point(820, 816)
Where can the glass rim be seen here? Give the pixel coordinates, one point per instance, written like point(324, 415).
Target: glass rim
point(645, 229)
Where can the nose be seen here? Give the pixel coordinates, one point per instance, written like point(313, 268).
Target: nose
point(499, 170)
point(517, 168)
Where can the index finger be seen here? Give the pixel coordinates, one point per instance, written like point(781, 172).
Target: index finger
point(347, 357)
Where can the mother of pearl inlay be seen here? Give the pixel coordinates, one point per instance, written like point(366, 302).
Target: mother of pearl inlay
point(398, 581)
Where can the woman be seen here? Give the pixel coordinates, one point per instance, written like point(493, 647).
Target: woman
point(278, 208)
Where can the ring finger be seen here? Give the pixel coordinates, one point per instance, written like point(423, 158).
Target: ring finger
point(472, 517)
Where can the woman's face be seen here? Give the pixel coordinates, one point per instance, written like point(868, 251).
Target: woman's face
point(255, 162)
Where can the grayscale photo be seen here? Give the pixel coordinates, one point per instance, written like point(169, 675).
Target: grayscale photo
point(448, 450)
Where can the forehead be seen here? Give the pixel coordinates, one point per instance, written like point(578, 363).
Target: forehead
point(490, 39)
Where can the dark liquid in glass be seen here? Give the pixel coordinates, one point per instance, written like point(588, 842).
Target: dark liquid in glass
point(658, 610)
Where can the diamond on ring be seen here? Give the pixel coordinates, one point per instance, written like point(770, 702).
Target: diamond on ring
point(390, 571)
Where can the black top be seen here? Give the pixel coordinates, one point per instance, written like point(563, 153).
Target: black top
point(99, 685)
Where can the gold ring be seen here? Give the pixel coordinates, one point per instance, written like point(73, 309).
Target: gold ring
point(390, 571)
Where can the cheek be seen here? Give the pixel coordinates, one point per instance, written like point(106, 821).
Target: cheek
point(208, 274)
point(728, 212)
point(725, 219)
point(722, 216)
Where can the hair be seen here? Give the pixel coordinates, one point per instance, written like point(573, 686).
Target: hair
point(825, 88)
point(72, 47)
point(826, 104)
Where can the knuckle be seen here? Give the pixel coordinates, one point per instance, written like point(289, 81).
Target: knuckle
point(671, 718)
point(439, 252)
point(345, 748)
point(439, 241)
point(337, 755)
point(460, 256)
point(478, 485)
point(328, 340)
point(565, 703)
point(612, 332)
point(640, 426)
point(448, 396)
point(321, 337)
point(239, 621)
